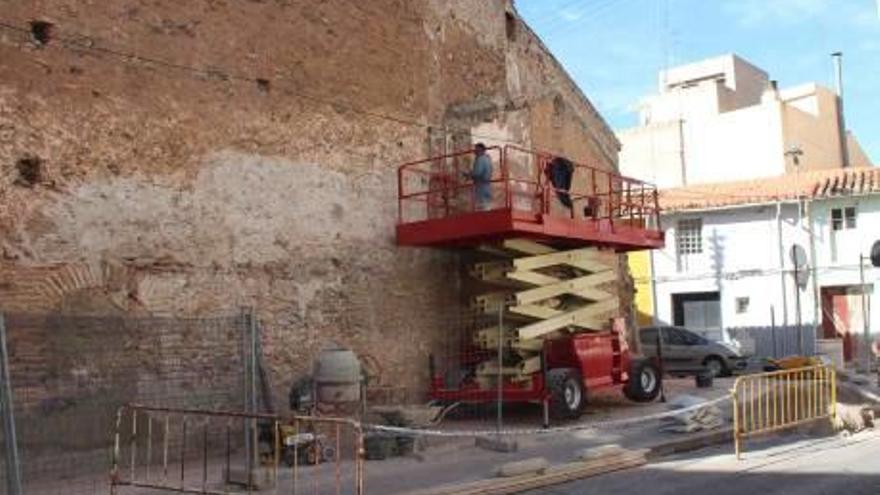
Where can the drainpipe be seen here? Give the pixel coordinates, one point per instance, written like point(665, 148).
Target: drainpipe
point(681, 152)
point(655, 320)
point(781, 262)
point(808, 207)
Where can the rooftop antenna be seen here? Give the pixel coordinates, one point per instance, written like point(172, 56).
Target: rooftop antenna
point(837, 58)
point(795, 152)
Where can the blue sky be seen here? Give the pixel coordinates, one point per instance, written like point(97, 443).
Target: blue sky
point(614, 48)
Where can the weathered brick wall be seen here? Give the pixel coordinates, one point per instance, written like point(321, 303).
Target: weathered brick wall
point(145, 170)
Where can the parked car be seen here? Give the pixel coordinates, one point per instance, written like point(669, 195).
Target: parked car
point(685, 352)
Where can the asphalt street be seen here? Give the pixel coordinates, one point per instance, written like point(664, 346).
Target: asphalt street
point(833, 465)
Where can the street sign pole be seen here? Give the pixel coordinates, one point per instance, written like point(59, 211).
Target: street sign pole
point(799, 260)
point(797, 308)
point(866, 351)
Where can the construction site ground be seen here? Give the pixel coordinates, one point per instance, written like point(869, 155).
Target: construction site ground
point(451, 460)
point(440, 461)
point(456, 460)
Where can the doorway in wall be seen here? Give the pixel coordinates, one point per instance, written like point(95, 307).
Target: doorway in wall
point(698, 311)
point(843, 316)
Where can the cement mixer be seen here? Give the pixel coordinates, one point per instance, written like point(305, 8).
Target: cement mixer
point(335, 386)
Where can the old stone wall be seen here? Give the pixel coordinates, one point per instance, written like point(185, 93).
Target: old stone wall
point(177, 158)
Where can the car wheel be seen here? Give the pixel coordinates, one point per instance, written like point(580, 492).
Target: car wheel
point(567, 394)
point(716, 366)
point(644, 381)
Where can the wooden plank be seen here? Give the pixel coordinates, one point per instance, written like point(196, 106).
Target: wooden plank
point(582, 286)
point(581, 317)
point(527, 247)
point(553, 476)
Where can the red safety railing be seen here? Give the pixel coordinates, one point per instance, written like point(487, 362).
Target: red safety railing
point(438, 188)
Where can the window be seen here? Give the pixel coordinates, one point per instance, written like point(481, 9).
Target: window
point(648, 336)
point(742, 305)
point(689, 236)
point(843, 218)
point(688, 337)
point(672, 337)
point(678, 336)
point(697, 311)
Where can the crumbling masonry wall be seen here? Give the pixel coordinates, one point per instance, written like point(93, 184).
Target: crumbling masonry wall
point(169, 158)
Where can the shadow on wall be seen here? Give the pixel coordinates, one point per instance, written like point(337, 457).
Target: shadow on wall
point(716, 254)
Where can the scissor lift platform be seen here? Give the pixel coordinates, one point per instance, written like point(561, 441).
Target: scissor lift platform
point(437, 206)
point(548, 239)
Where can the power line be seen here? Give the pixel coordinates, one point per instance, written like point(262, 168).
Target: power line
point(80, 42)
point(596, 14)
point(743, 274)
point(554, 12)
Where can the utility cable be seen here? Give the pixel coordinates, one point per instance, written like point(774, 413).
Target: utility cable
point(81, 43)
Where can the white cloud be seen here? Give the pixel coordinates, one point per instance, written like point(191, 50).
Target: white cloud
point(870, 46)
point(867, 17)
point(752, 13)
point(570, 15)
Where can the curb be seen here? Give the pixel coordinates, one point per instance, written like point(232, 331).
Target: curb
point(542, 474)
point(716, 437)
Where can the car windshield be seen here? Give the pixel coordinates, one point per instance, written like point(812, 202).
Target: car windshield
point(648, 335)
point(686, 337)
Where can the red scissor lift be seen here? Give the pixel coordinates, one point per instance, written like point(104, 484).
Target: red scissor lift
point(561, 346)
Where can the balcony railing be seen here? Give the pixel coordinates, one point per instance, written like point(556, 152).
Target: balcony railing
point(521, 182)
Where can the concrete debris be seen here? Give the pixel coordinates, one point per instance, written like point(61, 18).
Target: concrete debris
point(497, 443)
point(705, 418)
point(535, 465)
point(411, 416)
point(853, 417)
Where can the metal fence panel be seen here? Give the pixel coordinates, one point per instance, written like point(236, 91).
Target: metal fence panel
point(69, 374)
point(173, 450)
point(10, 476)
point(777, 400)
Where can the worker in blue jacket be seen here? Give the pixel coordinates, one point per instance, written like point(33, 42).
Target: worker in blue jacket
point(482, 177)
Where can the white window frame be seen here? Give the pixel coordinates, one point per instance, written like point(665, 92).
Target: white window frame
point(847, 218)
point(688, 240)
point(693, 244)
point(742, 305)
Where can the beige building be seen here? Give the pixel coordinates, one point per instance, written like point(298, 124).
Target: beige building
point(723, 119)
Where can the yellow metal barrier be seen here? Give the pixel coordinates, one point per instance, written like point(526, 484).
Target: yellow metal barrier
point(777, 400)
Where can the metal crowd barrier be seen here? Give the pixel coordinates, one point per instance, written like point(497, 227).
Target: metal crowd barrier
point(777, 400)
point(175, 450)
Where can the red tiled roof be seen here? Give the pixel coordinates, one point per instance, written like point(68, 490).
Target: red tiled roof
point(814, 184)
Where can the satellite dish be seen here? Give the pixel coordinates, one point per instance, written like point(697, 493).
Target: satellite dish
point(799, 258)
point(875, 253)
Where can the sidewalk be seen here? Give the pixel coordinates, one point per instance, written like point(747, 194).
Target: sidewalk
point(452, 460)
point(457, 460)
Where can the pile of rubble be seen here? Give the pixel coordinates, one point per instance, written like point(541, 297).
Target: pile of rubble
point(694, 418)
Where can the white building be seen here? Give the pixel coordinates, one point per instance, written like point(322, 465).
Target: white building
point(723, 119)
point(727, 262)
